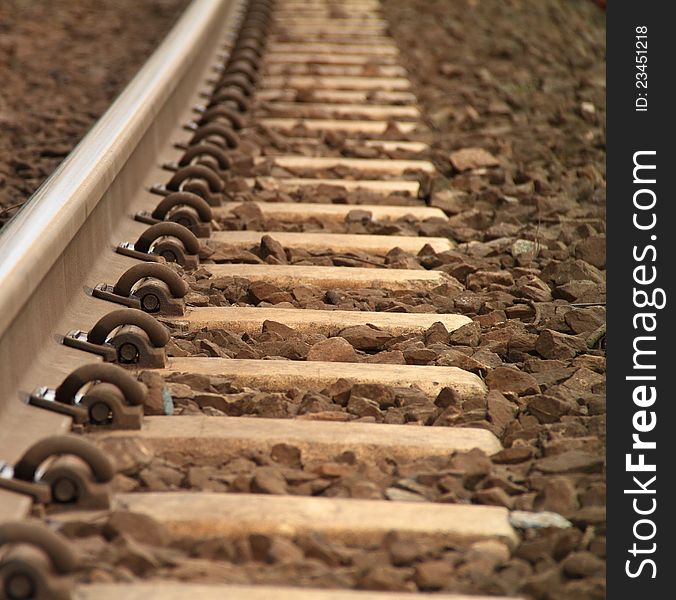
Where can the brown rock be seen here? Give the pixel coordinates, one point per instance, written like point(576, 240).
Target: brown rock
point(121, 484)
point(486, 358)
point(590, 444)
point(467, 335)
point(305, 293)
point(248, 211)
point(230, 341)
point(313, 402)
point(492, 319)
point(283, 331)
point(403, 549)
point(261, 291)
point(539, 365)
point(540, 584)
point(595, 495)
point(450, 201)
point(589, 515)
point(203, 478)
point(447, 397)
point(136, 526)
point(260, 546)
point(567, 541)
point(363, 337)
point(363, 407)
point(593, 363)
point(494, 496)
point(453, 489)
point(433, 574)
point(271, 247)
point(132, 555)
point(215, 549)
point(334, 469)
point(177, 350)
point(293, 349)
point(420, 356)
point(472, 158)
point(358, 215)
point(161, 478)
point(491, 551)
point(506, 379)
point(455, 358)
point(513, 455)
point(581, 291)
point(583, 320)
point(552, 344)
point(450, 417)
point(283, 551)
point(547, 409)
point(482, 279)
point(436, 333)
point(564, 272)
point(339, 391)
point(501, 411)
point(194, 381)
point(390, 357)
point(153, 403)
point(383, 395)
point(399, 495)
point(388, 579)
point(274, 549)
point(286, 455)
point(335, 349)
point(551, 377)
point(583, 564)
point(474, 466)
point(533, 288)
point(268, 480)
point(224, 404)
point(590, 588)
point(558, 495)
point(213, 349)
point(316, 546)
point(592, 250)
point(573, 461)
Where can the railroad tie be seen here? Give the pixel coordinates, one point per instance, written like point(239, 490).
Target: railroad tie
point(187, 591)
point(338, 278)
point(247, 319)
point(378, 245)
point(203, 438)
point(281, 375)
point(347, 520)
point(295, 211)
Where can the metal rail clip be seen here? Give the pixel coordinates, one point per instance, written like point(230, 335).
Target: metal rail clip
point(113, 399)
point(155, 244)
point(185, 208)
point(161, 290)
point(37, 563)
point(127, 336)
point(78, 474)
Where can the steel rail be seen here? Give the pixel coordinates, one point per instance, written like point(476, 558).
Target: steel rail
point(33, 240)
point(63, 236)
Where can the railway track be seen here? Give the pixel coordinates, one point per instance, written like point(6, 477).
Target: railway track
point(244, 234)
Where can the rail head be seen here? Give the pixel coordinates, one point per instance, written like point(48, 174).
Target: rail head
point(32, 241)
